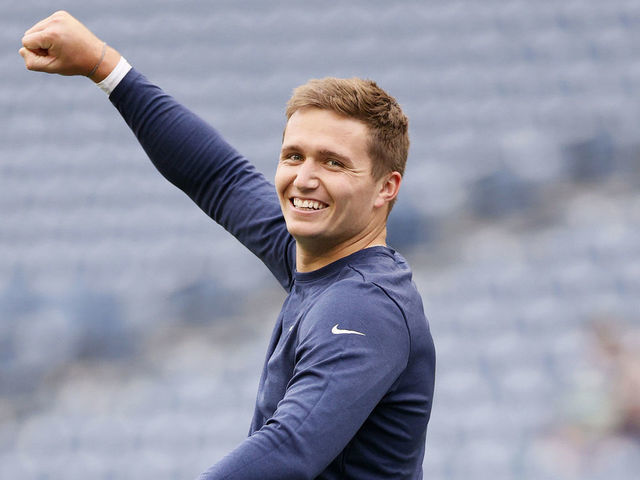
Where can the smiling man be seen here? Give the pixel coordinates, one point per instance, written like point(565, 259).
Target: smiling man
point(347, 385)
point(332, 202)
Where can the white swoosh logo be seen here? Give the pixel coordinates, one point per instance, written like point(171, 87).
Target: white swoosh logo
point(336, 331)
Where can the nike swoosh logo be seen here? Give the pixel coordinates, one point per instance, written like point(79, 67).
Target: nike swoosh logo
point(337, 331)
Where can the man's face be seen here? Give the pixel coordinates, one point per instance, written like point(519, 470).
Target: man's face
point(327, 193)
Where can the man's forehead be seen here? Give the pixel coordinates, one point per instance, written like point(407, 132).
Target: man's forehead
point(310, 125)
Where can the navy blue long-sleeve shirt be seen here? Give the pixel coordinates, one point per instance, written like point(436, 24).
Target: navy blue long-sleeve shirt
point(347, 386)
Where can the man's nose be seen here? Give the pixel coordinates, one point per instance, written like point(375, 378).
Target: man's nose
point(306, 175)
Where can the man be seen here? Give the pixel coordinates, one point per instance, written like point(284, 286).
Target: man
point(347, 385)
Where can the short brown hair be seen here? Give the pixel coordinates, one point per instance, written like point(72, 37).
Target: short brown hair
point(362, 100)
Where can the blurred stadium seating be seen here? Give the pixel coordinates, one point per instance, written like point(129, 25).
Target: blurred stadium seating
point(132, 329)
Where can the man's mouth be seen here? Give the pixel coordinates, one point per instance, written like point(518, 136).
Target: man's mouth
point(307, 204)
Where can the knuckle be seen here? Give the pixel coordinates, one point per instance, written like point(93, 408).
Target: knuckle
point(59, 17)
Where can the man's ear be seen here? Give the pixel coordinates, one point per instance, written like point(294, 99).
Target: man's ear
point(389, 188)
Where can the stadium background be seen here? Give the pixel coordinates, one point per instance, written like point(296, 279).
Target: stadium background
point(133, 329)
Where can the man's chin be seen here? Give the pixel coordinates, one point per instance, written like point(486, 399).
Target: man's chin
point(307, 236)
point(311, 240)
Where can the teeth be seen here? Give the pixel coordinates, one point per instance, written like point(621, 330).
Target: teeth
point(299, 203)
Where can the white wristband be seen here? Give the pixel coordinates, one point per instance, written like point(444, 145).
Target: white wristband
point(109, 84)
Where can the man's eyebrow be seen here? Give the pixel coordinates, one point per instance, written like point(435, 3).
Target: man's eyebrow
point(288, 148)
point(325, 152)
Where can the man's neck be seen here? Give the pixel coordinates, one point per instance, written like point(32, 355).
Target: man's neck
point(309, 257)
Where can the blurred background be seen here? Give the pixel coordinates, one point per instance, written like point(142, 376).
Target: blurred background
point(133, 329)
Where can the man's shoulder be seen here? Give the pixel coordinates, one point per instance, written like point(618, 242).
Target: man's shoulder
point(375, 264)
point(353, 309)
point(387, 271)
point(367, 275)
point(361, 294)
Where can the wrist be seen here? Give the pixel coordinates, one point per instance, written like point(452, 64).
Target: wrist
point(102, 54)
point(109, 84)
point(106, 65)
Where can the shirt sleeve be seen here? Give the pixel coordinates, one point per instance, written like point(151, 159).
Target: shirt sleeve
point(351, 350)
point(194, 157)
point(112, 80)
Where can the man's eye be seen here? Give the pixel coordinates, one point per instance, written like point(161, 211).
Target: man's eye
point(334, 163)
point(296, 157)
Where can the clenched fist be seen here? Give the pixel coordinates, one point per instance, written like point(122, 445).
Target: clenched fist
point(61, 44)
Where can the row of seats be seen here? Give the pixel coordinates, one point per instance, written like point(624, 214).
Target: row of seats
point(117, 359)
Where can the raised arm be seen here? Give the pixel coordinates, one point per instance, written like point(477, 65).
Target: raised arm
point(184, 148)
point(194, 157)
